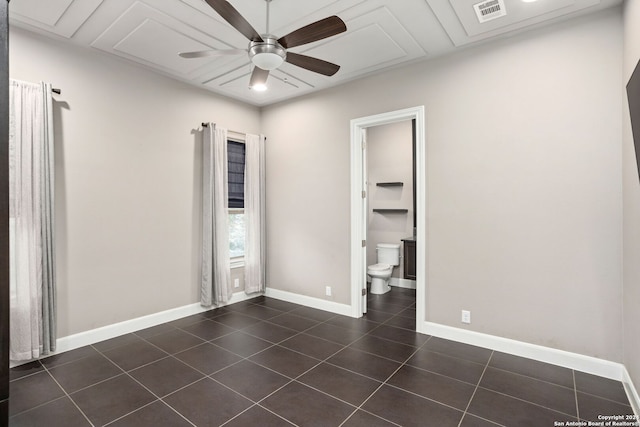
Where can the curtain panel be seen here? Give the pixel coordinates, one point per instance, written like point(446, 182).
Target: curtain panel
point(216, 270)
point(255, 215)
point(31, 221)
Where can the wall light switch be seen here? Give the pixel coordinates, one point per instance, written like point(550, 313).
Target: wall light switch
point(328, 291)
point(466, 316)
point(236, 283)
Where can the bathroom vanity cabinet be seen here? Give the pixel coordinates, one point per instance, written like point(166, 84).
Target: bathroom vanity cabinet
point(409, 258)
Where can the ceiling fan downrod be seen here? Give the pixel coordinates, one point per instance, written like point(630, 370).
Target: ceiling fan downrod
point(268, 3)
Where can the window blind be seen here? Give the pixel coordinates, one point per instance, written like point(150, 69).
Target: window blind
point(235, 170)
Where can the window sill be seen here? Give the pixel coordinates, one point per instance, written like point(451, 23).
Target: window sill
point(237, 262)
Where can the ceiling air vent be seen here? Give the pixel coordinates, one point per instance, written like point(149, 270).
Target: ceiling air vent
point(488, 10)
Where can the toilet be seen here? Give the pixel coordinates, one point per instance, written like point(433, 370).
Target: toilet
point(387, 257)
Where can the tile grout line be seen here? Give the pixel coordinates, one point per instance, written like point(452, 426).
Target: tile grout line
point(575, 392)
point(68, 396)
point(526, 401)
point(370, 413)
point(28, 375)
point(294, 380)
point(144, 406)
point(246, 358)
point(466, 410)
point(382, 383)
point(251, 407)
point(158, 398)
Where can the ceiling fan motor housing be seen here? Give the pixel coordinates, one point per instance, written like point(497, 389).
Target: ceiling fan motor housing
point(267, 54)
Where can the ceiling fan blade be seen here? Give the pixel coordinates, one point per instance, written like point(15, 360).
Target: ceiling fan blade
point(207, 53)
point(258, 77)
point(312, 64)
point(319, 30)
point(233, 17)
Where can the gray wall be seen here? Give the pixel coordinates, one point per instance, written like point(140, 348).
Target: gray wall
point(389, 159)
point(128, 181)
point(631, 186)
point(524, 198)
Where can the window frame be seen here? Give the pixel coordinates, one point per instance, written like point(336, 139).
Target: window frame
point(237, 261)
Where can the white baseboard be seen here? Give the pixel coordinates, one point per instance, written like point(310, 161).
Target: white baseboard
point(402, 283)
point(320, 304)
point(578, 362)
point(575, 361)
point(71, 342)
point(632, 392)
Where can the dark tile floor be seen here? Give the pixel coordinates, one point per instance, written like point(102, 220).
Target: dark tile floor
point(266, 362)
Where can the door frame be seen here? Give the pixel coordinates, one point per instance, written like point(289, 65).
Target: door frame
point(359, 212)
point(4, 212)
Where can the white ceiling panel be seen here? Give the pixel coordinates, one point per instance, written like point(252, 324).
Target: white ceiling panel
point(281, 13)
point(380, 34)
point(157, 44)
point(148, 36)
point(371, 44)
point(375, 39)
point(60, 17)
point(48, 13)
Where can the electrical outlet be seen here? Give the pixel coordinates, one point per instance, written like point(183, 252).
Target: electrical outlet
point(236, 283)
point(328, 291)
point(466, 316)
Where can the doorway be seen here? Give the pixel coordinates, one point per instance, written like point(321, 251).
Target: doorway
point(359, 207)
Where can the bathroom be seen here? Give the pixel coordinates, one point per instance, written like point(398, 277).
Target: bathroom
point(391, 222)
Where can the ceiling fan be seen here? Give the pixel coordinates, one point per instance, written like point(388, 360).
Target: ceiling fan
point(268, 53)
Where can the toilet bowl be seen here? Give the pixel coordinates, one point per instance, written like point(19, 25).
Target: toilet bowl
point(380, 275)
point(387, 257)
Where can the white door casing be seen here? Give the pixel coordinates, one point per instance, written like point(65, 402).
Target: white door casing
point(359, 207)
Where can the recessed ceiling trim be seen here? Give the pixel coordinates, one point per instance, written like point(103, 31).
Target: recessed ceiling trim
point(228, 72)
point(150, 36)
point(132, 20)
point(64, 20)
point(375, 39)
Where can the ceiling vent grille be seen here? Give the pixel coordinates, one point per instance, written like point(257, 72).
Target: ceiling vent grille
point(489, 10)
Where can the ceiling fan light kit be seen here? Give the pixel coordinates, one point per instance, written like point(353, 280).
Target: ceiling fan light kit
point(268, 53)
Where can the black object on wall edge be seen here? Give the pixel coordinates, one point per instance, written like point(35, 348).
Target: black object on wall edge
point(633, 97)
point(4, 213)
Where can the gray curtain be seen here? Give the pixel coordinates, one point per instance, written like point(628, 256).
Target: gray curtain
point(255, 215)
point(31, 221)
point(216, 270)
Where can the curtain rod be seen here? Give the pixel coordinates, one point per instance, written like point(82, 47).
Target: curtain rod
point(206, 125)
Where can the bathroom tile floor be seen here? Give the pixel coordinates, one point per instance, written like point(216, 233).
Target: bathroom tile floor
point(266, 362)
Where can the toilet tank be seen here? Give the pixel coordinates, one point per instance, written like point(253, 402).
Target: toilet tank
point(388, 253)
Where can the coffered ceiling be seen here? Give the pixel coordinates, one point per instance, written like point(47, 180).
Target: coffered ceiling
point(380, 34)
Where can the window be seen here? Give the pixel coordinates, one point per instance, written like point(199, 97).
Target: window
point(236, 233)
point(235, 171)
